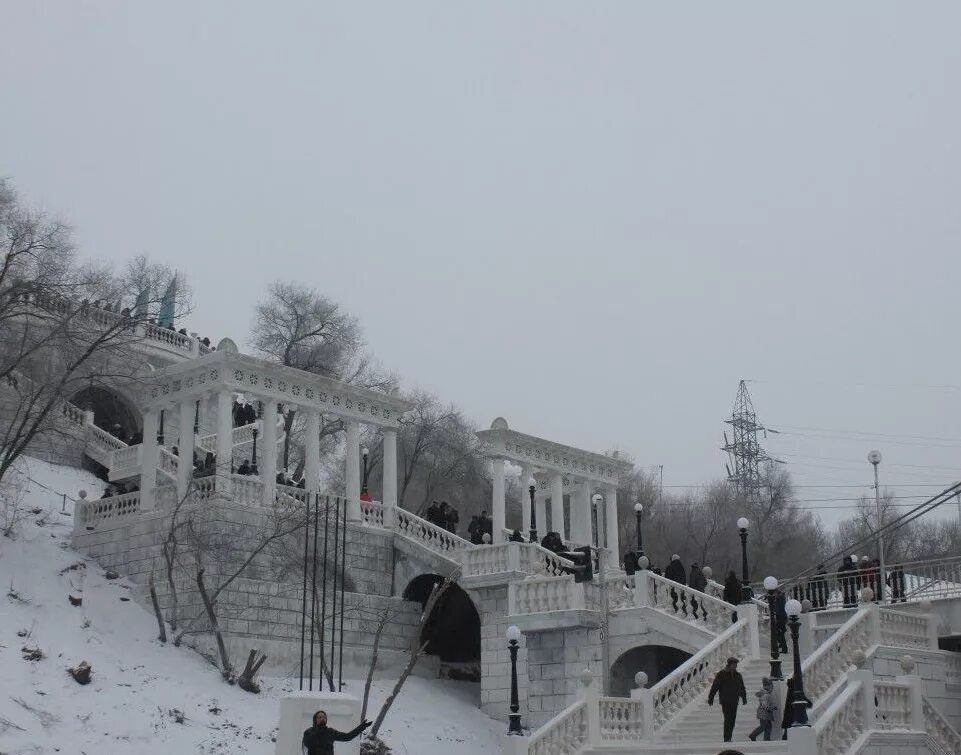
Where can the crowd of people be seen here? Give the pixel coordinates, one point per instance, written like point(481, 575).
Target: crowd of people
point(444, 516)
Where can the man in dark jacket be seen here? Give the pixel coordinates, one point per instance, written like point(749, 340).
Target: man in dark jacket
point(675, 572)
point(319, 739)
point(780, 620)
point(728, 687)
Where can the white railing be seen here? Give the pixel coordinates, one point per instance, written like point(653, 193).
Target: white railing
point(905, 630)
point(247, 489)
point(937, 727)
point(893, 705)
point(126, 462)
point(952, 675)
point(828, 663)
point(74, 414)
point(843, 722)
point(544, 594)
point(621, 589)
point(536, 559)
point(168, 337)
point(168, 463)
point(434, 538)
point(88, 513)
point(693, 677)
point(490, 559)
point(104, 439)
point(373, 513)
point(621, 719)
point(686, 603)
point(565, 734)
point(241, 435)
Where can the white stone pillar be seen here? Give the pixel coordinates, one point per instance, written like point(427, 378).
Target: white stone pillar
point(498, 502)
point(527, 479)
point(352, 477)
point(150, 458)
point(557, 504)
point(610, 523)
point(581, 525)
point(185, 463)
point(267, 467)
point(540, 508)
point(312, 451)
point(225, 439)
point(390, 468)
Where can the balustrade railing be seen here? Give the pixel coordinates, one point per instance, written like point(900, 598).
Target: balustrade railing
point(565, 734)
point(686, 603)
point(693, 677)
point(429, 535)
point(74, 414)
point(89, 513)
point(169, 337)
point(953, 670)
point(373, 513)
point(843, 722)
point(621, 719)
point(168, 463)
point(938, 728)
point(905, 630)
point(828, 663)
point(536, 559)
point(543, 594)
point(892, 705)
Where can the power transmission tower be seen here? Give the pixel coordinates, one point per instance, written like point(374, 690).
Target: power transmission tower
point(745, 452)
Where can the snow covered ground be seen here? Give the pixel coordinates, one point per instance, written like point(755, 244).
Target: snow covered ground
point(147, 698)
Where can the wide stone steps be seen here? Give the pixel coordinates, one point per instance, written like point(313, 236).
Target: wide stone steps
point(747, 748)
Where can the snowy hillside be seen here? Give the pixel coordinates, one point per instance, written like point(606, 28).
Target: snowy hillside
point(147, 698)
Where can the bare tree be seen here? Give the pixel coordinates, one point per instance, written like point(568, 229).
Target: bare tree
point(60, 330)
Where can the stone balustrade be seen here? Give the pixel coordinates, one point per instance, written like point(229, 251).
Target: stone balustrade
point(843, 722)
point(683, 602)
point(693, 677)
point(827, 664)
point(952, 675)
point(90, 513)
point(544, 594)
point(907, 630)
point(621, 720)
point(429, 535)
point(168, 463)
point(893, 705)
point(938, 728)
point(74, 414)
point(536, 559)
point(565, 734)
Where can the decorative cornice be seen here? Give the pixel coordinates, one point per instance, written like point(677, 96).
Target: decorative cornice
point(503, 443)
point(224, 370)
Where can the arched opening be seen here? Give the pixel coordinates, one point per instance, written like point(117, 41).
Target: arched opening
point(111, 411)
point(657, 661)
point(452, 631)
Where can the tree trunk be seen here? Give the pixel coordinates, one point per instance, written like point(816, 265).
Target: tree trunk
point(246, 679)
point(227, 670)
point(156, 610)
point(373, 661)
point(408, 669)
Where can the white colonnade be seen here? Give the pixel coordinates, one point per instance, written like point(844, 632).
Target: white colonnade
point(582, 474)
point(215, 379)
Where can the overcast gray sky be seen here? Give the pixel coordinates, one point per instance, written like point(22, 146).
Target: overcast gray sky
point(592, 219)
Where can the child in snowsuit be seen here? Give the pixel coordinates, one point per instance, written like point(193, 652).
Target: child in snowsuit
point(765, 710)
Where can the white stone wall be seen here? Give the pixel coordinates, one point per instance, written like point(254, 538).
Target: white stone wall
point(555, 660)
point(931, 668)
point(491, 605)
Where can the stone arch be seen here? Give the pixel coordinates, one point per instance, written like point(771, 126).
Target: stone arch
point(452, 632)
point(657, 661)
point(111, 409)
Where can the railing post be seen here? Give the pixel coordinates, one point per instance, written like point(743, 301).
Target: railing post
point(874, 622)
point(390, 517)
point(642, 595)
point(512, 599)
point(802, 740)
point(589, 694)
point(578, 597)
point(913, 681)
point(748, 612)
point(514, 556)
point(646, 699)
point(866, 678)
point(515, 745)
point(88, 418)
point(932, 630)
point(806, 637)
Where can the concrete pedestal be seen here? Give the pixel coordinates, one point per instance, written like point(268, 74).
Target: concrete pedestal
point(296, 716)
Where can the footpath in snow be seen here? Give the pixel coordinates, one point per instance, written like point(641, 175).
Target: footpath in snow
point(147, 698)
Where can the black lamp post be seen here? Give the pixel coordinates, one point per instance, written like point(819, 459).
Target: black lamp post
point(796, 697)
point(533, 490)
point(197, 418)
point(770, 584)
point(746, 593)
point(364, 495)
point(253, 461)
point(638, 511)
point(513, 644)
point(160, 429)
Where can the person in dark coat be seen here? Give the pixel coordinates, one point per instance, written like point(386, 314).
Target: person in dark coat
point(728, 687)
point(451, 517)
point(675, 572)
point(244, 467)
point(895, 580)
point(630, 563)
point(788, 719)
point(516, 537)
point(732, 592)
point(780, 620)
point(474, 530)
point(432, 514)
point(319, 739)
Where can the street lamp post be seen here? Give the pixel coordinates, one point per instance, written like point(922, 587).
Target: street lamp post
point(875, 458)
point(513, 644)
point(364, 495)
point(533, 491)
point(638, 511)
point(770, 584)
point(602, 579)
point(797, 697)
point(253, 461)
point(746, 592)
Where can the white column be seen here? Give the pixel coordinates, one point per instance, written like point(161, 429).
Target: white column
point(150, 458)
point(267, 467)
point(498, 502)
point(527, 479)
point(225, 439)
point(557, 504)
point(185, 464)
point(581, 513)
point(540, 508)
point(352, 461)
point(390, 468)
point(610, 522)
point(312, 451)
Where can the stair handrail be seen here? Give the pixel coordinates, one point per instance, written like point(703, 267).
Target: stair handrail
point(565, 734)
point(693, 677)
point(832, 658)
point(708, 610)
point(844, 720)
point(429, 535)
point(939, 729)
